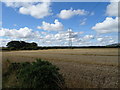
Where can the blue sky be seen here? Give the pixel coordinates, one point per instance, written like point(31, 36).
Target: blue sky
point(12, 16)
point(89, 22)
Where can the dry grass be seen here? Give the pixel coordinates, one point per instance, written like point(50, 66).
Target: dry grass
point(81, 68)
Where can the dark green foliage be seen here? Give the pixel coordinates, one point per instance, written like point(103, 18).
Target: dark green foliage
point(15, 44)
point(4, 48)
point(21, 45)
point(39, 74)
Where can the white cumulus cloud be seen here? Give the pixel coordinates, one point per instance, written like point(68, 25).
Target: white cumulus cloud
point(66, 14)
point(112, 8)
point(38, 11)
point(106, 40)
point(18, 4)
point(56, 26)
point(107, 26)
point(100, 39)
point(35, 9)
point(20, 33)
point(88, 37)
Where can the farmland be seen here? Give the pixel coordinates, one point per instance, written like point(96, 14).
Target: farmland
point(81, 68)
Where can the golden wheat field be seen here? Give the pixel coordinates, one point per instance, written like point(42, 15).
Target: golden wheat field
point(81, 68)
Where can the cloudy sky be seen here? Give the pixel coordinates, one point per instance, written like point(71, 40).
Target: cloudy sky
point(53, 23)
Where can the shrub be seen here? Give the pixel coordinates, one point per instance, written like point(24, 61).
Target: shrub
point(40, 74)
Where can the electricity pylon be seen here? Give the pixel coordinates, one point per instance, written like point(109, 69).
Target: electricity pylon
point(70, 37)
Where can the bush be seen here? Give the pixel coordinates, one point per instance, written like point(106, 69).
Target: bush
point(39, 74)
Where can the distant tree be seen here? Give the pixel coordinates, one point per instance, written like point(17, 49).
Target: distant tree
point(34, 44)
point(21, 45)
point(14, 44)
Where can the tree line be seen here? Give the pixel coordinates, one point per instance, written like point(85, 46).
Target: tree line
point(21, 45)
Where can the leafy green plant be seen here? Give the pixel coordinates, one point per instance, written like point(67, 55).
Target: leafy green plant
point(39, 74)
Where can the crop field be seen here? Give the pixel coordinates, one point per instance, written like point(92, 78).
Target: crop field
point(81, 68)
